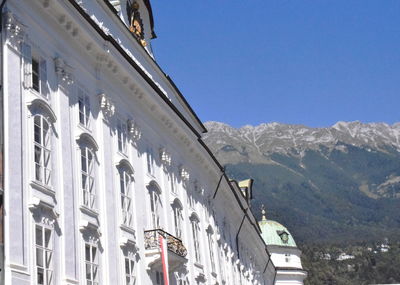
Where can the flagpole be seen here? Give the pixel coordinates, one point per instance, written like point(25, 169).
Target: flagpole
point(164, 257)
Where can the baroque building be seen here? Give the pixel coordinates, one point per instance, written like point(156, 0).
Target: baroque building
point(105, 178)
point(284, 252)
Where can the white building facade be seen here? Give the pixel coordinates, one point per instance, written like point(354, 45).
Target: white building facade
point(102, 159)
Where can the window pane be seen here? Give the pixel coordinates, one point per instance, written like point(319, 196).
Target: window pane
point(95, 275)
point(47, 237)
point(84, 181)
point(94, 254)
point(83, 160)
point(88, 272)
point(37, 129)
point(39, 257)
point(40, 276)
point(127, 269)
point(35, 75)
point(49, 277)
point(87, 252)
point(49, 255)
point(39, 236)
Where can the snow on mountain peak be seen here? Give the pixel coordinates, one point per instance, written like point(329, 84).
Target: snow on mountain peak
point(277, 137)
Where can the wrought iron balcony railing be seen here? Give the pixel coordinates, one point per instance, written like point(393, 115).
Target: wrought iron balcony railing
point(151, 241)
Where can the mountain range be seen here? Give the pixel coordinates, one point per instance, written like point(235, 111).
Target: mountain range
point(333, 184)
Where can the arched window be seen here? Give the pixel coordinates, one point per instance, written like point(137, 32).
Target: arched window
point(210, 237)
point(88, 177)
point(195, 235)
point(125, 171)
point(178, 218)
point(42, 149)
point(88, 147)
point(155, 204)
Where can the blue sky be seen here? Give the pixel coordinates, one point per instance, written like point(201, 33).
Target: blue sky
point(291, 61)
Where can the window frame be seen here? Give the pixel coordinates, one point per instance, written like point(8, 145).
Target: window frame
point(88, 191)
point(84, 108)
point(126, 195)
point(195, 224)
point(35, 70)
point(130, 271)
point(150, 161)
point(211, 250)
point(42, 163)
point(178, 219)
point(122, 136)
point(47, 266)
point(155, 206)
point(92, 263)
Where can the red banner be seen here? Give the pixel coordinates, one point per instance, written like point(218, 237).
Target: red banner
point(164, 258)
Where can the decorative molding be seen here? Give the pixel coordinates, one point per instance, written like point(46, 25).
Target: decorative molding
point(134, 130)
point(63, 71)
point(129, 243)
point(88, 226)
point(14, 28)
point(43, 106)
point(184, 174)
point(106, 105)
point(37, 204)
point(88, 138)
point(165, 157)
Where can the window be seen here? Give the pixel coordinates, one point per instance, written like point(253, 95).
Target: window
point(44, 255)
point(126, 196)
point(211, 249)
point(171, 178)
point(178, 219)
point(287, 257)
point(35, 75)
point(221, 263)
point(84, 108)
point(159, 278)
point(35, 71)
point(150, 161)
point(191, 200)
point(130, 275)
point(122, 134)
point(155, 204)
point(196, 244)
point(91, 264)
point(87, 177)
point(42, 151)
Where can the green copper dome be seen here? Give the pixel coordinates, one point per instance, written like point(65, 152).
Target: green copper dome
point(273, 233)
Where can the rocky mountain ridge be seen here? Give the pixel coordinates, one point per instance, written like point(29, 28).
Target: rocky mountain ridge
point(294, 139)
point(327, 184)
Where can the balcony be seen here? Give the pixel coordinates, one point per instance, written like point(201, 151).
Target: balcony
point(176, 250)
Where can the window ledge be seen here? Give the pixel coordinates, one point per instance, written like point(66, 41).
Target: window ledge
point(46, 189)
point(150, 175)
point(127, 229)
point(88, 211)
point(122, 154)
point(198, 265)
point(38, 94)
point(84, 128)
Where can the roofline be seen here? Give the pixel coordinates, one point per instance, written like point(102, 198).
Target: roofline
point(148, 6)
point(110, 39)
point(173, 85)
point(291, 269)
